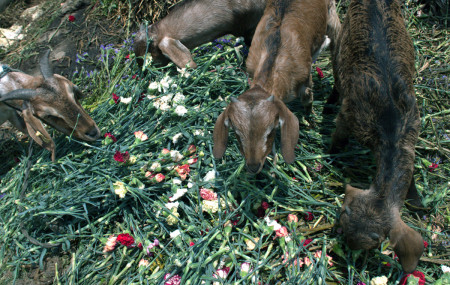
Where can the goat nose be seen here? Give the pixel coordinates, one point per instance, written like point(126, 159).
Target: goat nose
point(93, 133)
point(253, 168)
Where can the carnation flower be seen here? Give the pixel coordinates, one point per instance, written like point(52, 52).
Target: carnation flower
point(246, 267)
point(165, 83)
point(165, 151)
point(172, 219)
point(152, 87)
point(308, 216)
point(178, 98)
point(110, 244)
point(221, 273)
point(306, 241)
point(156, 166)
point(433, 166)
point(319, 72)
point(140, 136)
point(292, 218)
point(180, 193)
point(192, 160)
point(250, 244)
point(159, 177)
point(177, 137)
point(191, 149)
point(144, 262)
point(126, 100)
point(174, 280)
point(212, 206)
point(265, 205)
point(183, 72)
point(150, 247)
point(191, 243)
point(183, 171)
point(115, 98)
point(318, 255)
point(181, 110)
point(109, 139)
point(208, 194)
point(445, 269)
point(121, 157)
point(174, 234)
point(307, 261)
point(199, 133)
point(172, 205)
point(417, 275)
point(126, 240)
point(175, 155)
point(71, 18)
point(282, 232)
point(272, 223)
point(120, 189)
point(380, 280)
point(211, 175)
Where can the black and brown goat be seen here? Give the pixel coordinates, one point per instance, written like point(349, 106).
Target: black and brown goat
point(192, 23)
point(286, 41)
point(374, 69)
point(27, 101)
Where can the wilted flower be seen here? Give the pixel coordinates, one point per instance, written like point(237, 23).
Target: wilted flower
point(177, 137)
point(180, 193)
point(140, 136)
point(121, 157)
point(181, 110)
point(250, 244)
point(281, 232)
point(126, 240)
point(292, 218)
point(110, 244)
point(120, 189)
point(221, 273)
point(380, 280)
point(144, 262)
point(183, 72)
point(246, 267)
point(174, 280)
point(150, 247)
point(211, 175)
point(307, 261)
point(208, 194)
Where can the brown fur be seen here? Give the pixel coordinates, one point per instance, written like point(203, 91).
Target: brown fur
point(56, 102)
point(280, 57)
point(192, 23)
point(374, 69)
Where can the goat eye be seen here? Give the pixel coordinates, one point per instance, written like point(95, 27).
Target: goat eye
point(77, 92)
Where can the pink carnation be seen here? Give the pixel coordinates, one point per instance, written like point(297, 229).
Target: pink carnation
point(208, 194)
point(292, 218)
point(282, 232)
point(174, 280)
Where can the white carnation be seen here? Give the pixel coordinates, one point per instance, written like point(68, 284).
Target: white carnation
point(211, 175)
point(179, 98)
point(125, 100)
point(177, 137)
point(380, 280)
point(174, 234)
point(272, 223)
point(176, 155)
point(180, 193)
point(181, 110)
point(172, 205)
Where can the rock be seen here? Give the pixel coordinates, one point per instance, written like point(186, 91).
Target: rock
point(32, 13)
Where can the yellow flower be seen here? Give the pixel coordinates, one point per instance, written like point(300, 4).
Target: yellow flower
point(120, 189)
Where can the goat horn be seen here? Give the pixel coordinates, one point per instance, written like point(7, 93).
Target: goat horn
point(19, 94)
point(374, 236)
point(44, 64)
point(271, 98)
point(234, 99)
point(347, 210)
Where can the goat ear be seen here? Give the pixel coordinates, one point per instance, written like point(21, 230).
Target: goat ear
point(37, 131)
point(407, 244)
point(351, 192)
point(289, 131)
point(220, 135)
point(177, 52)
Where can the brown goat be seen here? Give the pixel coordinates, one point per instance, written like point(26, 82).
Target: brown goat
point(286, 41)
point(27, 100)
point(192, 23)
point(374, 69)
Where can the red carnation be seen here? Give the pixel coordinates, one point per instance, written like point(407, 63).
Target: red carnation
point(425, 244)
point(433, 166)
point(191, 243)
point(265, 205)
point(127, 56)
point(71, 18)
point(109, 135)
point(134, 76)
point(121, 156)
point(140, 246)
point(308, 216)
point(116, 98)
point(416, 274)
point(319, 72)
point(307, 241)
point(126, 240)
